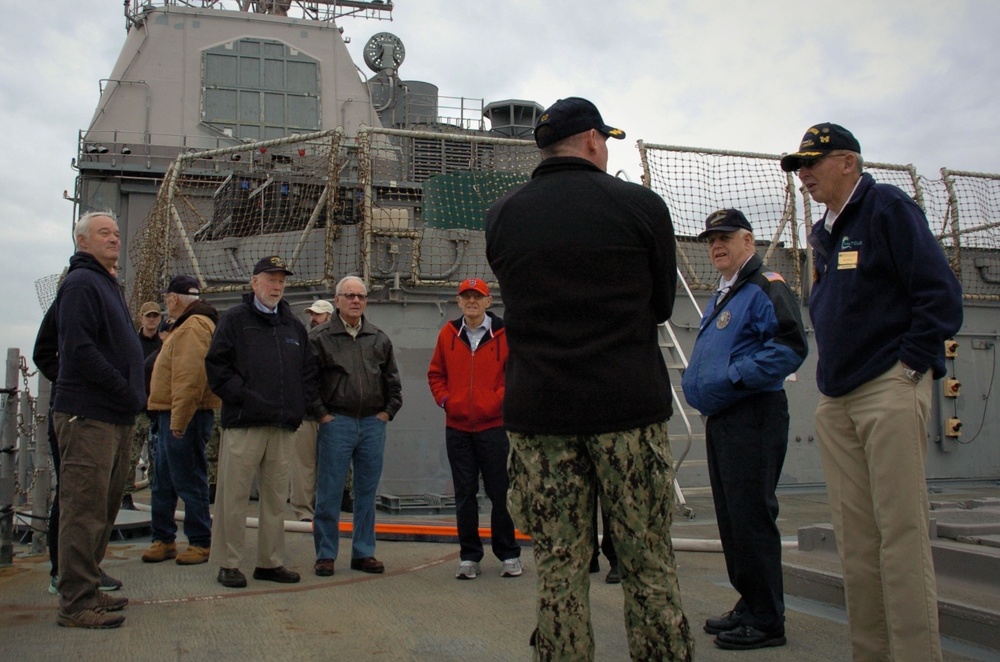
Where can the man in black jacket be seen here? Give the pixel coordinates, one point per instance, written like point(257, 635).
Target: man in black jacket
point(359, 393)
point(261, 367)
point(587, 392)
point(99, 391)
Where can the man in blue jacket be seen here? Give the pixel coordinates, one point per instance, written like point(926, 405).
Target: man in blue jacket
point(261, 367)
point(99, 391)
point(751, 338)
point(884, 300)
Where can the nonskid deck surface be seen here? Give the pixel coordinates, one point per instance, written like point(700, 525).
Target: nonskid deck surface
point(415, 611)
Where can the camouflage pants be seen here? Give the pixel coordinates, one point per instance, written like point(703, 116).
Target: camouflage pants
point(553, 479)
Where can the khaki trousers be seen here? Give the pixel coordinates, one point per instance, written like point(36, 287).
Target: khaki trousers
point(243, 453)
point(302, 471)
point(93, 469)
point(873, 442)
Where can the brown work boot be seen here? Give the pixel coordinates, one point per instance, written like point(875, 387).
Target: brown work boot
point(193, 555)
point(160, 551)
point(109, 603)
point(94, 618)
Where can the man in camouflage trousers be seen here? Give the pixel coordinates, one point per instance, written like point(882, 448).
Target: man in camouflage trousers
point(587, 270)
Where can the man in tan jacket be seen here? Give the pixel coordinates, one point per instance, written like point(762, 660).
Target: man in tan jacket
point(179, 396)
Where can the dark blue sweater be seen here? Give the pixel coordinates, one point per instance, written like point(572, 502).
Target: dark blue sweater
point(883, 291)
point(100, 358)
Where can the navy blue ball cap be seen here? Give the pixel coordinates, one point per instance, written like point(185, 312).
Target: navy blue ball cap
point(819, 141)
point(271, 264)
point(568, 117)
point(183, 285)
point(725, 220)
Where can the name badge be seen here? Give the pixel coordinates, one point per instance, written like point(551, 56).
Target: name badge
point(847, 260)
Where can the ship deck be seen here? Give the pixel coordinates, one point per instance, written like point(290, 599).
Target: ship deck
point(418, 611)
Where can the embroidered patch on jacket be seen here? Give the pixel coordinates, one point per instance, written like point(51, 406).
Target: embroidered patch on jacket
point(723, 321)
point(773, 276)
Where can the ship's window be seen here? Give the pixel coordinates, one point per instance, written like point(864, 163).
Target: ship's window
point(259, 89)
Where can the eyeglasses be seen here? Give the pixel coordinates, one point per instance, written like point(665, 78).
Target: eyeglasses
point(813, 162)
point(471, 294)
point(352, 296)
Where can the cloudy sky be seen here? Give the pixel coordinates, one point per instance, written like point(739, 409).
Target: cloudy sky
point(916, 80)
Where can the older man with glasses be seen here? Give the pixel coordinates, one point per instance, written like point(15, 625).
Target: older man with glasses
point(883, 301)
point(359, 393)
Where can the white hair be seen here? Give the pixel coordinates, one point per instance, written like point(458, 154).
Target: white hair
point(82, 227)
point(345, 279)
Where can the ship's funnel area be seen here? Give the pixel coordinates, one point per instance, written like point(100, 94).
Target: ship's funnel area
point(513, 118)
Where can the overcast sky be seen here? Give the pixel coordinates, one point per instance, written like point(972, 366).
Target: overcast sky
point(915, 80)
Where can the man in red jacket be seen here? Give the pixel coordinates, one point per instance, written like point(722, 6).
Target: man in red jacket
point(466, 377)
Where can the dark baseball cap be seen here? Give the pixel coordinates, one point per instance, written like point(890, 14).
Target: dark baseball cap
point(568, 117)
point(271, 264)
point(183, 285)
point(819, 141)
point(725, 220)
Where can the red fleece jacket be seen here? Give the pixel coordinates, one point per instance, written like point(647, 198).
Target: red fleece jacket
point(468, 384)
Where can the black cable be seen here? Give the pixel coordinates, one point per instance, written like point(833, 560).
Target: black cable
point(986, 400)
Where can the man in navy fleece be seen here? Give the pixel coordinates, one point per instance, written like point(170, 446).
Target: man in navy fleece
point(99, 391)
point(884, 300)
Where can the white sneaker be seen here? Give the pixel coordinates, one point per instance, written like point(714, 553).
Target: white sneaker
point(512, 568)
point(467, 570)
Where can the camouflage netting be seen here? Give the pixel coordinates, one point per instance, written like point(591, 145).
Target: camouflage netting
point(963, 210)
point(399, 208)
point(405, 209)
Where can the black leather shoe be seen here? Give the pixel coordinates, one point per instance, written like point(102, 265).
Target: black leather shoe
point(614, 576)
point(728, 621)
point(368, 564)
point(231, 577)
point(281, 574)
point(747, 638)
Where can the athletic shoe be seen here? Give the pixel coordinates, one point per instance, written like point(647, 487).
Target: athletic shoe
point(109, 583)
point(512, 568)
point(467, 570)
point(109, 603)
point(54, 585)
point(94, 619)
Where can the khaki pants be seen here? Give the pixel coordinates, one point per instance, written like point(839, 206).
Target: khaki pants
point(553, 481)
point(302, 471)
point(243, 453)
point(93, 468)
point(873, 442)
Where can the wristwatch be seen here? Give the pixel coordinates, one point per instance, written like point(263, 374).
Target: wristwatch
point(913, 375)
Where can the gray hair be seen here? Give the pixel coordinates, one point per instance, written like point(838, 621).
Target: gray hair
point(187, 299)
point(82, 227)
point(861, 161)
point(345, 279)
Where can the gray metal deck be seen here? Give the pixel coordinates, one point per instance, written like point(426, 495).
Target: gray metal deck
point(418, 611)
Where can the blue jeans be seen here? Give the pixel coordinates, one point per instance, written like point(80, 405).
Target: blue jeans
point(181, 470)
point(339, 443)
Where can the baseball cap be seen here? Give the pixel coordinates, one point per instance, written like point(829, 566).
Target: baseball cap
point(477, 284)
point(725, 220)
point(271, 264)
point(820, 140)
point(149, 307)
point(568, 117)
point(320, 306)
point(183, 285)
